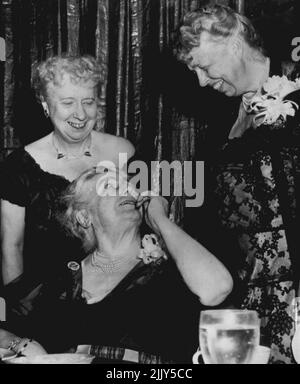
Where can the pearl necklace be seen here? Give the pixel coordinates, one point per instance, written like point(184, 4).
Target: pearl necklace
point(97, 262)
point(85, 149)
point(150, 251)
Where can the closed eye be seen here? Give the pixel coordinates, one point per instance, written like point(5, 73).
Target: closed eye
point(197, 68)
point(67, 101)
point(89, 102)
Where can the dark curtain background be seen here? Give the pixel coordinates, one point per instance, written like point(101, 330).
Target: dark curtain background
point(146, 95)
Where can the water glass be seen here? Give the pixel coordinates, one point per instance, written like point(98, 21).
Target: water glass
point(229, 336)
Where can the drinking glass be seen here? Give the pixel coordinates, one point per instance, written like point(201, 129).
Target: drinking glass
point(295, 311)
point(295, 314)
point(229, 336)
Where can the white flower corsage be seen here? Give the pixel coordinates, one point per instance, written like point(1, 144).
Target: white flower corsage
point(268, 104)
point(151, 250)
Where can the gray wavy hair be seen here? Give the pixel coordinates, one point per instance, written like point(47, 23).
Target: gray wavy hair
point(79, 195)
point(80, 68)
point(220, 22)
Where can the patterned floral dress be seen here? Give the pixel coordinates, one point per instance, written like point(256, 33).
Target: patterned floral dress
point(258, 184)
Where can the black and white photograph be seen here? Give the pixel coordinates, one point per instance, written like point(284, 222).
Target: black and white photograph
point(149, 184)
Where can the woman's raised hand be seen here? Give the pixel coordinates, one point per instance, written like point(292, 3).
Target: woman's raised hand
point(156, 208)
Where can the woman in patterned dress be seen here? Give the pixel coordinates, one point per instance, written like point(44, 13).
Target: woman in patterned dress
point(257, 172)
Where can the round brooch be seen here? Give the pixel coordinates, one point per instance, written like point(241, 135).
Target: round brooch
point(73, 266)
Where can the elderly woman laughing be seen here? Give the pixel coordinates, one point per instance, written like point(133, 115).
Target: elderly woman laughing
point(130, 290)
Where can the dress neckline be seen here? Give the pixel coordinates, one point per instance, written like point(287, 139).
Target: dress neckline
point(41, 170)
point(140, 273)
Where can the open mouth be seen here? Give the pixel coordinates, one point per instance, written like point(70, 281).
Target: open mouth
point(128, 202)
point(218, 86)
point(76, 125)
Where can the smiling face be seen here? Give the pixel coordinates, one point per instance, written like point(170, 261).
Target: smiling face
point(115, 207)
point(219, 65)
point(72, 108)
point(115, 213)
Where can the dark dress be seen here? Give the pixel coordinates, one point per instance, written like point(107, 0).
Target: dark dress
point(25, 184)
point(255, 196)
point(150, 311)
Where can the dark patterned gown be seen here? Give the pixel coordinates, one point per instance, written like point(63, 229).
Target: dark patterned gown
point(258, 185)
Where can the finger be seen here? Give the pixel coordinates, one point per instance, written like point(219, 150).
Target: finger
point(142, 201)
point(144, 208)
point(149, 194)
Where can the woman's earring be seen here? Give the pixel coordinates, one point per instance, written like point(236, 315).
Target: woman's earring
point(83, 218)
point(46, 109)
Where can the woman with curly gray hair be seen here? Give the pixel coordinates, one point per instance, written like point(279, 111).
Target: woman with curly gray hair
point(224, 50)
point(67, 88)
point(255, 173)
point(129, 292)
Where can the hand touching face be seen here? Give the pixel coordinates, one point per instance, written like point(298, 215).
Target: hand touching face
point(156, 209)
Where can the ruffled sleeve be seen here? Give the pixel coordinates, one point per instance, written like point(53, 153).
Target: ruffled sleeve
point(15, 178)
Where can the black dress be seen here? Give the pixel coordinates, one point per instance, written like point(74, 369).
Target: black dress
point(25, 184)
point(151, 311)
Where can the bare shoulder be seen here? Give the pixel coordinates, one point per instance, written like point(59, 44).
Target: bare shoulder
point(39, 149)
point(113, 143)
